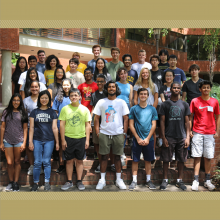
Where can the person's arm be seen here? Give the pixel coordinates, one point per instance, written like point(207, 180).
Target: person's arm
point(184, 96)
point(190, 124)
point(22, 94)
point(155, 100)
point(25, 129)
point(132, 128)
point(162, 127)
point(183, 83)
point(217, 126)
point(153, 128)
point(31, 134)
point(88, 126)
point(2, 136)
point(135, 98)
point(96, 124)
point(55, 132)
point(62, 134)
point(131, 95)
point(125, 118)
point(162, 97)
point(187, 126)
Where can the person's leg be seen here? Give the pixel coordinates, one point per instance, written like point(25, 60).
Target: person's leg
point(9, 153)
point(61, 152)
point(69, 169)
point(38, 149)
point(197, 161)
point(118, 163)
point(104, 163)
point(134, 168)
point(148, 167)
point(180, 166)
point(17, 158)
point(79, 169)
point(165, 170)
point(207, 163)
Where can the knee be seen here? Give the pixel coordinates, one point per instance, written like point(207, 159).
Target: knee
point(117, 157)
point(37, 163)
point(104, 157)
point(17, 162)
point(10, 163)
point(46, 162)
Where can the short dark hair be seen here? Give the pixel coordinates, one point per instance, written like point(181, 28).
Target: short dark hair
point(155, 56)
point(175, 83)
point(105, 91)
point(165, 52)
point(75, 90)
point(87, 69)
point(169, 71)
point(126, 55)
point(193, 67)
point(74, 60)
point(101, 76)
point(141, 90)
point(96, 45)
point(115, 48)
point(205, 82)
point(40, 51)
point(173, 56)
point(32, 57)
point(43, 93)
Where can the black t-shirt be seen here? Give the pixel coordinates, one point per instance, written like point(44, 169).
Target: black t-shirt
point(192, 89)
point(175, 113)
point(157, 78)
point(163, 66)
point(165, 92)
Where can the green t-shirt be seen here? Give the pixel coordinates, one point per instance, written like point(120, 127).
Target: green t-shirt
point(113, 68)
point(75, 118)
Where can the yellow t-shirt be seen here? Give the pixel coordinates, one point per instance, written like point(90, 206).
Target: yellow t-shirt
point(49, 76)
point(81, 67)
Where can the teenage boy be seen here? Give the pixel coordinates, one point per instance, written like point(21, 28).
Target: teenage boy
point(76, 77)
point(174, 123)
point(96, 50)
point(32, 62)
point(141, 63)
point(41, 61)
point(164, 54)
point(115, 64)
point(205, 109)
point(142, 123)
point(112, 131)
point(81, 66)
point(179, 74)
point(87, 88)
point(75, 133)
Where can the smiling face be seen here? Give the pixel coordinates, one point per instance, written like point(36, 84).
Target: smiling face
point(44, 100)
point(100, 83)
point(34, 88)
point(22, 64)
point(88, 75)
point(175, 90)
point(53, 63)
point(169, 77)
point(41, 57)
point(143, 96)
point(73, 66)
point(115, 54)
point(111, 89)
point(16, 102)
point(74, 97)
point(123, 75)
point(172, 62)
point(33, 75)
point(127, 62)
point(142, 56)
point(205, 90)
point(59, 74)
point(100, 65)
point(66, 86)
point(32, 63)
point(96, 51)
point(145, 74)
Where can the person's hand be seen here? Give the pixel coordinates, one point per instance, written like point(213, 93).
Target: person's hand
point(191, 134)
point(165, 142)
point(2, 147)
point(146, 141)
point(57, 146)
point(87, 145)
point(22, 147)
point(140, 141)
point(31, 146)
point(216, 135)
point(64, 145)
point(187, 141)
point(98, 135)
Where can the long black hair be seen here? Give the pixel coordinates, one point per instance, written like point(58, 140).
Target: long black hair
point(96, 73)
point(105, 91)
point(9, 110)
point(48, 60)
point(17, 72)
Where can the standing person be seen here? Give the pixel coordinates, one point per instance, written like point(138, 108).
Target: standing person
point(142, 122)
point(81, 67)
point(87, 88)
point(75, 133)
point(115, 64)
point(204, 109)
point(164, 55)
point(52, 62)
point(43, 131)
point(100, 68)
point(96, 50)
point(59, 75)
point(21, 66)
point(112, 131)
point(41, 61)
point(61, 100)
point(141, 63)
point(13, 138)
point(174, 123)
point(76, 77)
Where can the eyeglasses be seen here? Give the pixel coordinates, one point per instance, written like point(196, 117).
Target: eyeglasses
point(15, 100)
point(32, 73)
point(100, 82)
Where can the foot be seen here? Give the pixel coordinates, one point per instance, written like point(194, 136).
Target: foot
point(150, 185)
point(15, 187)
point(97, 169)
point(30, 170)
point(9, 187)
point(181, 185)
point(120, 183)
point(47, 186)
point(132, 186)
point(34, 187)
point(66, 186)
point(195, 185)
point(164, 184)
point(60, 169)
point(80, 186)
point(101, 184)
point(209, 185)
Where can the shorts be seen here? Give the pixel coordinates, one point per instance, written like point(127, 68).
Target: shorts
point(203, 144)
point(75, 148)
point(7, 145)
point(95, 138)
point(176, 145)
point(114, 141)
point(147, 150)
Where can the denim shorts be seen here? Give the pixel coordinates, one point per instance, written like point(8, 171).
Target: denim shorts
point(6, 144)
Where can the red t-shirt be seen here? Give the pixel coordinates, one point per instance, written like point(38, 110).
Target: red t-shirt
point(204, 111)
point(86, 93)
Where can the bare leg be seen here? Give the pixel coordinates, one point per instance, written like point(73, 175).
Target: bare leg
point(69, 169)
point(79, 169)
point(148, 167)
point(165, 170)
point(104, 163)
point(118, 163)
point(60, 152)
point(197, 161)
point(207, 165)
point(17, 167)
point(180, 166)
point(134, 168)
point(9, 153)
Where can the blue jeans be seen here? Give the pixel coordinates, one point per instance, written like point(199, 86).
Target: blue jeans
point(42, 154)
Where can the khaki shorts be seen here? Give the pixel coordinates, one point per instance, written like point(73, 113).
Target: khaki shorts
point(114, 141)
point(95, 138)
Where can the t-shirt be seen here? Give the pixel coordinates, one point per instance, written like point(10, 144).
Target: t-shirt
point(192, 89)
point(179, 75)
point(163, 66)
point(92, 64)
point(42, 87)
point(54, 91)
point(14, 132)
point(113, 68)
point(175, 113)
point(143, 118)
point(81, 67)
point(86, 93)
point(75, 118)
point(76, 78)
point(111, 112)
point(204, 111)
point(59, 105)
point(132, 77)
point(40, 67)
point(165, 91)
point(22, 78)
point(137, 66)
point(125, 91)
point(150, 100)
point(157, 78)
point(49, 76)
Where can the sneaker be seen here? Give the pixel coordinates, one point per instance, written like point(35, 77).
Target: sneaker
point(47, 186)
point(164, 184)
point(181, 185)
point(97, 169)
point(30, 170)
point(66, 186)
point(195, 185)
point(60, 169)
point(80, 186)
point(120, 183)
point(15, 187)
point(132, 186)
point(159, 142)
point(173, 158)
point(35, 187)
point(209, 185)
point(101, 184)
point(150, 185)
point(9, 187)
point(113, 168)
point(123, 157)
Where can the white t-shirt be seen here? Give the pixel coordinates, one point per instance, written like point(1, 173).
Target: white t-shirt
point(138, 66)
point(76, 78)
point(111, 112)
point(22, 78)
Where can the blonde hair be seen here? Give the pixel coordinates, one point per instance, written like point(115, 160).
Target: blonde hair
point(140, 80)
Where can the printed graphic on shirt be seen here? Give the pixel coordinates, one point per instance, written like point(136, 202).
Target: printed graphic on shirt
point(175, 113)
point(74, 119)
point(42, 117)
point(87, 93)
point(203, 107)
point(109, 113)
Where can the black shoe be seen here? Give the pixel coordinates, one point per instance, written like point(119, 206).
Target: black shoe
point(15, 186)
point(181, 185)
point(150, 185)
point(60, 169)
point(35, 187)
point(164, 184)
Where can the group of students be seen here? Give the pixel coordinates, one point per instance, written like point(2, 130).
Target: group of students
point(58, 110)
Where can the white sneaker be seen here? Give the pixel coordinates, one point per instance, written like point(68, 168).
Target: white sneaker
point(173, 158)
point(30, 170)
point(195, 185)
point(209, 185)
point(100, 184)
point(159, 142)
point(120, 183)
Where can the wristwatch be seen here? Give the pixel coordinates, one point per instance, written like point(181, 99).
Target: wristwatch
point(124, 134)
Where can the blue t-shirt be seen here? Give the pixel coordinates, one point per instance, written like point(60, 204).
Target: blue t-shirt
point(179, 75)
point(43, 120)
point(143, 118)
point(125, 92)
point(40, 67)
point(92, 64)
point(57, 106)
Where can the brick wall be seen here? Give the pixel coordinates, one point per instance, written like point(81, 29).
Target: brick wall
point(9, 39)
point(216, 160)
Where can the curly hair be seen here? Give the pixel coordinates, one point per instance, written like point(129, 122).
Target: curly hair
point(105, 91)
point(61, 93)
point(48, 60)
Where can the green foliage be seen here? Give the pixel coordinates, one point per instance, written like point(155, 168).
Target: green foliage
point(164, 31)
point(216, 176)
point(14, 58)
point(215, 92)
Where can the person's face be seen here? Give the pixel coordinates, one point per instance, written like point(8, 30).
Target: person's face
point(33, 75)
point(41, 57)
point(100, 65)
point(145, 74)
point(16, 102)
point(143, 96)
point(154, 62)
point(205, 90)
point(96, 51)
point(34, 88)
point(169, 77)
point(194, 72)
point(53, 63)
point(59, 74)
point(175, 90)
point(111, 89)
point(22, 64)
point(142, 56)
point(32, 63)
point(76, 57)
point(172, 62)
point(88, 75)
point(123, 75)
point(73, 66)
point(115, 55)
point(44, 99)
point(74, 97)
point(163, 58)
point(127, 62)
point(66, 86)
point(100, 83)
